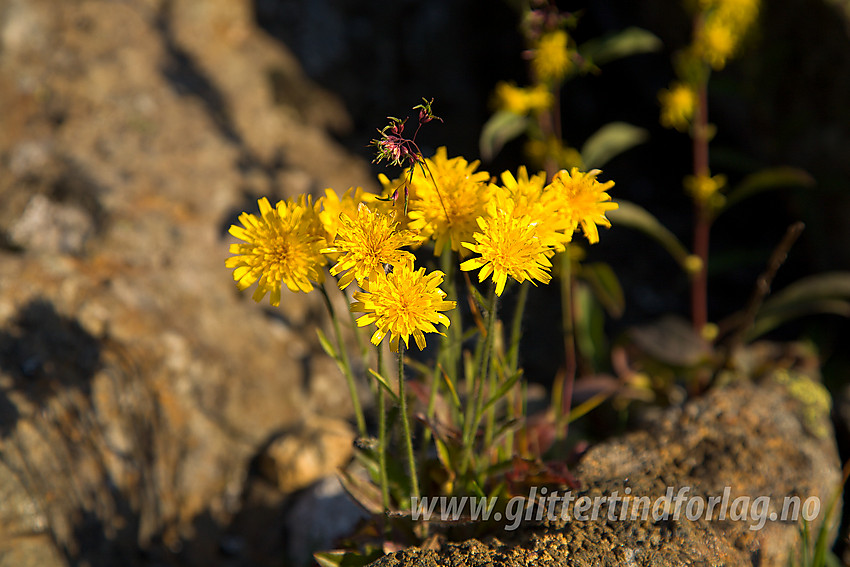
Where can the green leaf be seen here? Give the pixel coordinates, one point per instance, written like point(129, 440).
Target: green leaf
point(767, 180)
point(630, 41)
point(821, 293)
point(609, 141)
point(504, 388)
point(766, 322)
point(327, 346)
point(606, 287)
point(386, 385)
point(500, 129)
point(450, 383)
point(634, 216)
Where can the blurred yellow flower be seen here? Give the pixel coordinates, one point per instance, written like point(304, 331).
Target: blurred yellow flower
point(705, 189)
point(280, 247)
point(445, 206)
point(367, 242)
point(508, 246)
point(677, 106)
point(583, 199)
point(402, 303)
point(550, 62)
point(540, 152)
point(522, 101)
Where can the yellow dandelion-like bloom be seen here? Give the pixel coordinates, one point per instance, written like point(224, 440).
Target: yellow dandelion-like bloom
point(529, 199)
point(677, 106)
point(278, 248)
point(518, 100)
point(508, 246)
point(368, 241)
point(333, 205)
point(402, 303)
point(551, 61)
point(445, 206)
point(716, 42)
point(584, 200)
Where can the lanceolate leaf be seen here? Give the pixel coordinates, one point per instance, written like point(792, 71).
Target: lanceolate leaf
point(609, 141)
point(820, 293)
point(634, 216)
point(500, 129)
point(606, 287)
point(630, 41)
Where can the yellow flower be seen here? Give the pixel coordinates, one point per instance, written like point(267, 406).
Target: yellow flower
point(333, 205)
point(716, 42)
point(403, 303)
point(508, 246)
point(677, 106)
point(280, 247)
point(583, 199)
point(368, 241)
point(530, 199)
point(446, 205)
point(551, 61)
point(522, 101)
point(705, 189)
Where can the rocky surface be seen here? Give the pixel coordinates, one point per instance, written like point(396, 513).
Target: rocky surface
point(771, 439)
point(138, 388)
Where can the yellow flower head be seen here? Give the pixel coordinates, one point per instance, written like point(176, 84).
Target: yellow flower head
point(446, 205)
point(280, 247)
point(333, 205)
point(705, 189)
point(368, 241)
point(677, 106)
point(509, 246)
point(402, 303)
point(522, 101)
point(530, 199)
point(716, 41)
point(583, 199)
point(551, 60)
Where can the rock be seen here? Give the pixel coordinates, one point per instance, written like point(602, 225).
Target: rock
point(748, 439)
point(298, 458)
point(137, 385)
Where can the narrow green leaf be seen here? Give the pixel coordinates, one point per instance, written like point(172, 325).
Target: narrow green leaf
point(327, 346)
point(452, 389)
point(819, 286)
point(630, 41)
point(609, 141)
point(634, 216)
point(606, 286)
point(767, 180)
point(386, 385)
point(500, 129)
point(766, 322)
point(504, 388)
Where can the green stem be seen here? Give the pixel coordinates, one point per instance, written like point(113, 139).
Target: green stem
point(405, 423)
point(516, 329)
point(564, 388)
point(481, 378)
point(346, 364)
point(382, 434)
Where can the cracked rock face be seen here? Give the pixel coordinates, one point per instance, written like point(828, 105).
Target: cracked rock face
point(137, 386)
